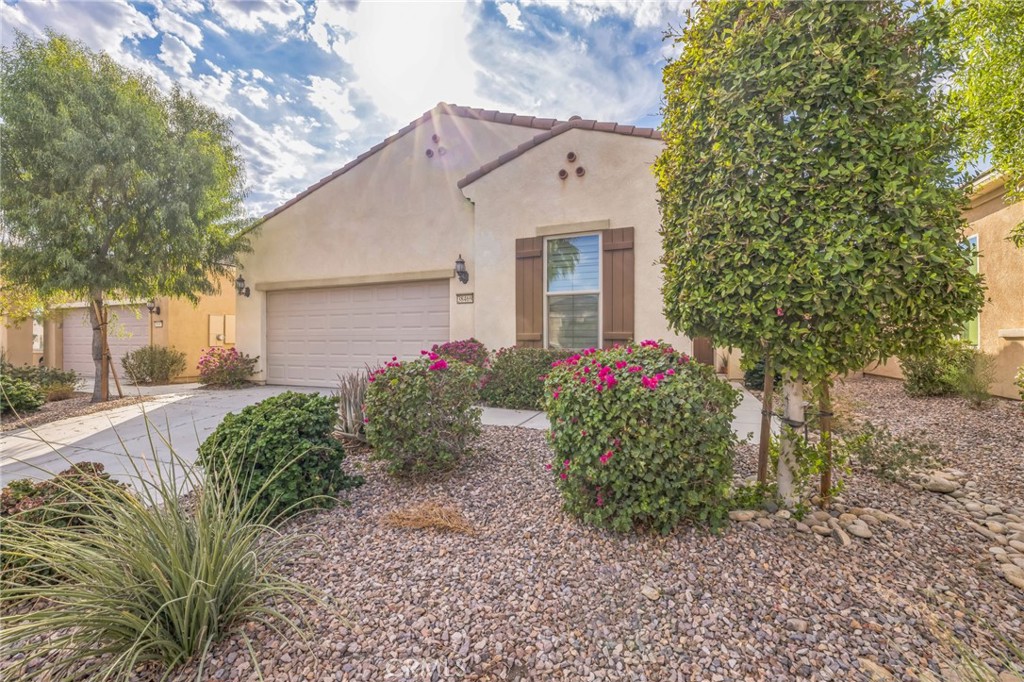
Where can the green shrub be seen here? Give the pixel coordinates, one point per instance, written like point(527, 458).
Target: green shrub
point(641, 437)
point(888, 456)
point(56, 384)
point(1019, 381)
point(515, 379)
point(754, 377)
point(157, 581)
point(351, 398)
point(281, 451)
point(940, 372)
point(225, 367)
point(153, 364)
point(19, 396)
point(68, 500)
point(470, 351)
point(420, 415)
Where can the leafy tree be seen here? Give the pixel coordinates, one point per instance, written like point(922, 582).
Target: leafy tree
point(809, 209)
point(111, 187)
point(987, 37)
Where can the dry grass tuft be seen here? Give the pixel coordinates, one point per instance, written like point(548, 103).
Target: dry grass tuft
point(433, 514)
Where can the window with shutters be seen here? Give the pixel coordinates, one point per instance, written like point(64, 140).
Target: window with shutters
point(572, 267)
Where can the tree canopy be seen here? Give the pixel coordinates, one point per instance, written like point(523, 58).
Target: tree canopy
point(987, 41)
point(810, 209)
point(110, 186)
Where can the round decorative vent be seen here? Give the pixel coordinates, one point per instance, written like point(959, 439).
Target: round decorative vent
point(563, 174)
point(570, 157)
point(580, 172)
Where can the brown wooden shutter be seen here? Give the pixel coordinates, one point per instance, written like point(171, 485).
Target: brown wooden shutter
point(530, 292)
point(617, 287)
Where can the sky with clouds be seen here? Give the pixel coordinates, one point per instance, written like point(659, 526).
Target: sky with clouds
point(310, 84)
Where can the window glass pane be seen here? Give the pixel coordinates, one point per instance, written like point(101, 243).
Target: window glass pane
point(972, 327)
point(573, 264)
point(572, 321)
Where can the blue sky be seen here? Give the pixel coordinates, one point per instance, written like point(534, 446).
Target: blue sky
point(309, 84)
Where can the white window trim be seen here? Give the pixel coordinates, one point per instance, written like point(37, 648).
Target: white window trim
point(598, 291)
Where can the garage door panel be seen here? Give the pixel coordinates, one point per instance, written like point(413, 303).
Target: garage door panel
point(315, 335)
point(128, 329)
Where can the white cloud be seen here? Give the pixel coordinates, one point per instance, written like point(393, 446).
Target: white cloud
point(216, 28)
point(176, 55)
point(255, 16)
point(255, 94)
point(170, 21)
point(111, 26)
point(512, 15)
point(334, 100)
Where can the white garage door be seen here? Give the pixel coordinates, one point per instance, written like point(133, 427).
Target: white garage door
point(313, 335)
point(129, 329)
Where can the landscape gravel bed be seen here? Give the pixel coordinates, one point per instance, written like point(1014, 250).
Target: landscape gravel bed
point(987, 443)
point(79, 405)
point(534, 594)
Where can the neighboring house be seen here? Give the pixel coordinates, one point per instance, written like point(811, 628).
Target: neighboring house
point(21, 342)
point(557, 223)
point(999, 329)
point(174, 323)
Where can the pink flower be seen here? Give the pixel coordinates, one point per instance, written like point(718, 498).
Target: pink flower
point(606, 457)
point(440, 364)
point(583, 433)
point(554, 394)
point(670, 371)
point(778, 312)
point(563, 475)
point(548, 467)
point(366, 420)
point(565, 464)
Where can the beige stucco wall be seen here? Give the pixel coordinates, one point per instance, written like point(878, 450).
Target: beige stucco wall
point(526, 198)
point(186, 326)
point(16, 342)
point(1001, 263)
point(397, 215)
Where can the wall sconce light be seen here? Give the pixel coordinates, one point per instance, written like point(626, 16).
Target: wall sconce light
point(154, 309)
point(460, 270)
point(240, 287)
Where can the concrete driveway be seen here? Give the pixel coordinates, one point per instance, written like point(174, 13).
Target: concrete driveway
point(127, 439)
point(122, 439)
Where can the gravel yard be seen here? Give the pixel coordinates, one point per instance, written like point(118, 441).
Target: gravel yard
point(988, 443)
point(536, 595)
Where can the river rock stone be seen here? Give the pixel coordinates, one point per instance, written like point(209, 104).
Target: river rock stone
point(937, 484)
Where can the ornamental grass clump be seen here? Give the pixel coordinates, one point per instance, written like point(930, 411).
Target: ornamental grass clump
point(421, 415)
point(642, 437)
point(155, 581)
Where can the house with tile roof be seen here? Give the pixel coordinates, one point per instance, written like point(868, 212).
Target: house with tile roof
point(465, 223)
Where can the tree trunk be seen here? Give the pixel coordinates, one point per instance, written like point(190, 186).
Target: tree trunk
point(100, 390)
point(825, 415)
point(766, 422)
point(794, 417)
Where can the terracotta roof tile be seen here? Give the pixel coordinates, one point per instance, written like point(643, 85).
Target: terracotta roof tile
point(556, 130)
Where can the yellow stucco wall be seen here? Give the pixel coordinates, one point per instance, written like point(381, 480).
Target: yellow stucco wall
point(1001, 263)
point(186, 327)
point(16, 342)
point(526, 198)
point(396, 214)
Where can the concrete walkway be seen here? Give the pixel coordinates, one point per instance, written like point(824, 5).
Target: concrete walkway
point(133, 440)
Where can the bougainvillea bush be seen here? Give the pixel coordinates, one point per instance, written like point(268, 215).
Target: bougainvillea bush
point(469, 350)
point(642, 437)
point(515, 378)
point(225, 367)
point(421, 415)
